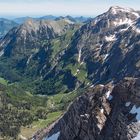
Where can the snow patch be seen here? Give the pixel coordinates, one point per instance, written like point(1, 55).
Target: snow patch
point(92, 86)
point(102, 110)
point(127, 104)
point(88, 83)
point(110, 38)
point(77, 71)
point(136, 110)
point(1, 53)
point(101, 85)
point(99, 126)
point(121, 22)
point(68, 21)
point(53, 137)
point(128, 10)
point(136, 14)
point(79, 55)
point(106, 55)
point(87, 115)
point(137, 30)
point(81, 63)
point(122, 30)
point(22, 137)
point(28, 61)
point(108, 96)
point(137, 137)
point(116, 9)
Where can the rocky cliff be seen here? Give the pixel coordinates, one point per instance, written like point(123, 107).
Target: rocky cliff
point(108, 45)
point(104, 112)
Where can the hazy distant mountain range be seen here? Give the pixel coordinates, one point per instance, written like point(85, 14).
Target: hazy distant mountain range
point(51, 17)
point(6, 24)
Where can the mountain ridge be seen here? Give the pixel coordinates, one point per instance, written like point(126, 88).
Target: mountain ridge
point(91, 54)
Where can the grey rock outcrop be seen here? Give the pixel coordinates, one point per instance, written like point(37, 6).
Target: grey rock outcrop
point(102, 113)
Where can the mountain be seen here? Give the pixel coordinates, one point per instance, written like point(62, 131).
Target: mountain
point(74, 19)
point(6, 25)
point(102, 113)
point(48, 17)
point(67, 19)
point(21, 20)
point(106, 48)
point(103, 50)
point(82, 19)
point(33, 48)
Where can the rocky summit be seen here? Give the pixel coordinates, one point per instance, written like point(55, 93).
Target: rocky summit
point(105, 112)
point(108, 45)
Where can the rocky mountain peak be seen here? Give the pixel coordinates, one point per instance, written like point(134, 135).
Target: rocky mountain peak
point(30, 25)
point(123, 15)
point(116, 9)
point(29, 21)
point(117, 16)
point(105, 39)
point(32, 30)
point(67, 19)
point(128, 12)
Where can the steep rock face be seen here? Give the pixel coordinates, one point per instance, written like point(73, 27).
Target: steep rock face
point(102, 113)
point(35, 46)
point(108, 45)
point(28, 35)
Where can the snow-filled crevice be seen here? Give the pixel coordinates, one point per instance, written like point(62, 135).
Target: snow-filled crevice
point(53, 137)
point(137, 137)
point(135, 110)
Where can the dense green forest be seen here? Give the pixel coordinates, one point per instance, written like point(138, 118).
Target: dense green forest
point(22, 113)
